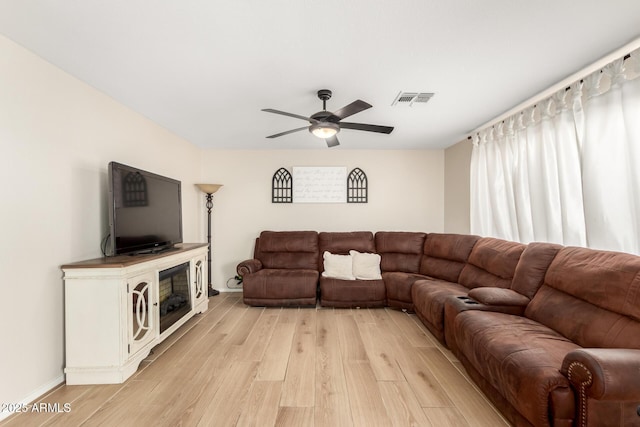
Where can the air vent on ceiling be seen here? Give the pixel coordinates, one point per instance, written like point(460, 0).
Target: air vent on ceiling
point(409, 98)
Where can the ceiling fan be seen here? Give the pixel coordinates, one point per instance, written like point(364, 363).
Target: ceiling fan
point(326, 124)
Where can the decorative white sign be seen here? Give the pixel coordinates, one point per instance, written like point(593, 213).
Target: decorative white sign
point(319, 184)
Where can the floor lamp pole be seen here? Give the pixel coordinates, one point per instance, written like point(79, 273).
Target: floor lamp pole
point(209, 189)
point(211, 291)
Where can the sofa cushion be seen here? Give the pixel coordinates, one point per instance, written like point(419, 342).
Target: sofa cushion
point(289, 241)
point(365, 266)
point(492, 262)
point(398, 286)
point(429, 296)
point(351, 293)
point(518, 356)
point(338, 266)
point(400, 250)
point(586, 284)
point(445, 255)
point(281, 287)
point(532, 267)
point(342, 242)
point(288, 249)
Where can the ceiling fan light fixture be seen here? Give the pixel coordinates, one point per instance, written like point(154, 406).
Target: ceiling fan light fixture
point(324, 130)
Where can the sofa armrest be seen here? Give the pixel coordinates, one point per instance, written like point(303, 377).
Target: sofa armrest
point(604, 373)
point(455, 305)
point(499, 297)
point(605, 382)
point(248, 266)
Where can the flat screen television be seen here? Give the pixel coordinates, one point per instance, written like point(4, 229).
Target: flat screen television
point(145, 211)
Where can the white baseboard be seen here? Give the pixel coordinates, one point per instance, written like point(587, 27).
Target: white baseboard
point(36, 394)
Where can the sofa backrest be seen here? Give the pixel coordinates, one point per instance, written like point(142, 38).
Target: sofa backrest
point(532, 267)
point(445, 255)
point(492, 262)
point(288, 249)
point(342, 242)
point(400, 250)
point(591, 297)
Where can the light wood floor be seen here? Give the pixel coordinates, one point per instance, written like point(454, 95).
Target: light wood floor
point(245, 366)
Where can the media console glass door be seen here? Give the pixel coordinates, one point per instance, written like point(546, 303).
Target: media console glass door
point(142, 325)
point(174, 295)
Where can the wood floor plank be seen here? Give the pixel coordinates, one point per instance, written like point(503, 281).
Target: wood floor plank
point(289, 315)
point(85, 406)
point(45, 409)
point(259, 337)
point(245, 325)
point(463, 371)
point(448, 354)
point(227, 403)
point(306, 321)
point(183, 405)
point(383, 317)
point(407, 327)
point(402, 405)
point(165, 345)
point(332, 397)
point(218, 338)
point(367, 406)
point(126, 407)
point(472, 404)
point(363, 315)
point(295, 417)
point(299, 383)
point(263, 405)
point(379, 346)
point(326, 328)
point(351, 344)
point(221, 307)
point(428, 390)
point(446, 417)
point(273, 365)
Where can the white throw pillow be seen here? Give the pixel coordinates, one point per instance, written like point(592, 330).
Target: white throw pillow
point(337, 266)
point(366, 266)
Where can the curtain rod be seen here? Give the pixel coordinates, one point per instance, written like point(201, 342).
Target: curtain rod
point(563, 84)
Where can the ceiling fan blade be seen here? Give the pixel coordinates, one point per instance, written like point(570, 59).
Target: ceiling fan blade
point(366, 127)
point(351, 109)
point(332, 142)
point(288, 132)
point(284, 113)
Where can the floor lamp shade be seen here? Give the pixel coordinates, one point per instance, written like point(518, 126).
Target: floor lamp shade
point(209, 189)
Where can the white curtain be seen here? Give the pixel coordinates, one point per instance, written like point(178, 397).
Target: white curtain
point(566, 170)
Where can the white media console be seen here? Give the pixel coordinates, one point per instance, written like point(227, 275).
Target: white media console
point(118, 308)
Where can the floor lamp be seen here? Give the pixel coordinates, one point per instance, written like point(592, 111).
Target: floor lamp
point(209, 189)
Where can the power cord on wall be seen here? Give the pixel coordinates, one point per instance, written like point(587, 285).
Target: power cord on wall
point(237, 280)
point(103, 245)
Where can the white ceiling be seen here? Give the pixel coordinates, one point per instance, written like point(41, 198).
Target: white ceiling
point(204, 68)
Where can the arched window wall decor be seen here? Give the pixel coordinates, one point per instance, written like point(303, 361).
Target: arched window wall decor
point(282, 187)
point(357, 186)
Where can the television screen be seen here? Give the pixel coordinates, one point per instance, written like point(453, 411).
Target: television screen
point(145, 210)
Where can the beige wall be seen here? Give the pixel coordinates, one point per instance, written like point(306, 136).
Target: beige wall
point(405, 193)
point(57, 136)
point(457, 159)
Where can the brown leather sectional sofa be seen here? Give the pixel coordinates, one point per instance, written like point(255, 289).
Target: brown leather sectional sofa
point(551, 334)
